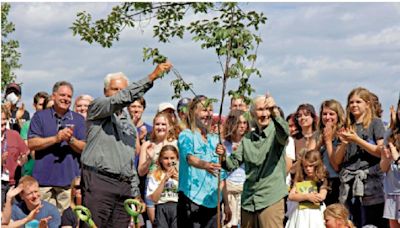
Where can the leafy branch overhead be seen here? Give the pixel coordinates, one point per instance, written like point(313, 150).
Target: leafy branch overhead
point(9, 53)
point(225, 27)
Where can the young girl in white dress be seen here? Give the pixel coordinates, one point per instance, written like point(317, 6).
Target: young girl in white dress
point(309, 191)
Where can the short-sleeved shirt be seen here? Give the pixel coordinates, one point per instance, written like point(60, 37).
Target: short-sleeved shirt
point(356, 157)
point(15, 147)
point(58, 164)
point(197, 184)
point(69, 218)
point(170, 192)
point(20, 211)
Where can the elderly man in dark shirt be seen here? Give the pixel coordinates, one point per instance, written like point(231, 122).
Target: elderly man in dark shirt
point(108, 169)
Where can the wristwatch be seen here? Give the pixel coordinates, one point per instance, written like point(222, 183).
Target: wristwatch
point(72, 140)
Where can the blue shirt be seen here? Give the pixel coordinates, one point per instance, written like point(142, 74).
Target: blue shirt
point(20, 211)
point(197, 184)
point(58, 164)
point(238, 176)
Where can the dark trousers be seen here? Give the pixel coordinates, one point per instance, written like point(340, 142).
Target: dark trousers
point(366, 215)
point(195, 216)
point(104, 197)
point(166, 216)
point(333, 191)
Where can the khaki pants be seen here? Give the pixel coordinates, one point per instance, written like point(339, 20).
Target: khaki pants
point(58, 196)
point(234, 197)
point(270, 217)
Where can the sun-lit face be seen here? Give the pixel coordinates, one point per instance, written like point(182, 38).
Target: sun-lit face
point(242, 126)
point(304, 118)
point(329, 116)
point(358, 107)
point(39, 105)
point(204, 113)
point(262, 112)
point(309, 169)
point(31, 195)
point(168, 159)
point(238, 104)
point(62, 98)
point(116, 85)
point(160, 127)
point(136, 110)
point(81, 106)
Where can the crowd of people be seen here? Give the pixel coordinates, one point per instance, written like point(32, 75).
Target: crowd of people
point(335, 168)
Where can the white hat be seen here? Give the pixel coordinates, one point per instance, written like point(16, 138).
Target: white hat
point(165, 105)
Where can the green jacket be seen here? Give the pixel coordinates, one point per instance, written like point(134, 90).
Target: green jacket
point(263, 154)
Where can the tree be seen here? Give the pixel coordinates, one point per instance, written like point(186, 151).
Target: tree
point(230, 32)
point(9, 54)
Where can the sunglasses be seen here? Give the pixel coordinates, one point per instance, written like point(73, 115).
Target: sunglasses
point(77, 187)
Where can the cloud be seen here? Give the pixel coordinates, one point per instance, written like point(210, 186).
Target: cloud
point(311, 52)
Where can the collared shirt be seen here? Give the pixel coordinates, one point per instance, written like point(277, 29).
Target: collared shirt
point(111, 135)
point(197, 184)
point(263, 154)
point(58, 164)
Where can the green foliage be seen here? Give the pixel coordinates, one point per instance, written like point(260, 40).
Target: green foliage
point(230, 33)
point(9, 54)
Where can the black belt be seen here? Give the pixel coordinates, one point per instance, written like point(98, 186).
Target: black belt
point(118, 177)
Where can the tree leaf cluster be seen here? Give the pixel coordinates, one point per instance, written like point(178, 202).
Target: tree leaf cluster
point(223, 27)
point(9, 53)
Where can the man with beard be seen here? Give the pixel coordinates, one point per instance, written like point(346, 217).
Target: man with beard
point(198, 169)
point(263, 153)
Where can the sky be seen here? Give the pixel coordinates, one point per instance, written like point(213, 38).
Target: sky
point(311, 52)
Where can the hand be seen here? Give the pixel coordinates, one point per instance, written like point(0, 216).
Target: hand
point(228, 213)
point(171, 173)
point(149, 149)
point(313, 197)
point(64, 134)
point(392, 114)
point(220, 150)
point(270, 102)
point(20, 112)
point(213, 168)
point(328, 132)
point(4, 157)
point(347, 135)
point(160, 69)
point(138, 198)
point(143, 133)
point(12, 192)
point(43, 223)
point(393, 151)
point(22, 159)
point(32, 215)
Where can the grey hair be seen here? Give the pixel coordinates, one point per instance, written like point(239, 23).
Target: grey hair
point(253, 104)
point(58, 84)
point(112, 76)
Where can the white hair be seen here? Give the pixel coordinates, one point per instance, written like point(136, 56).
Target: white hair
point(112, 76)
point(253, 104)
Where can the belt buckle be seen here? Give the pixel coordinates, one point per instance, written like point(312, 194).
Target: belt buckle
point(123, 178)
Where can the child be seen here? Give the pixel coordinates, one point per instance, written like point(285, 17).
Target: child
point(361, 188)
point(309, 190)
point(162, 188)
point(337, 216)
point(390, 161)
